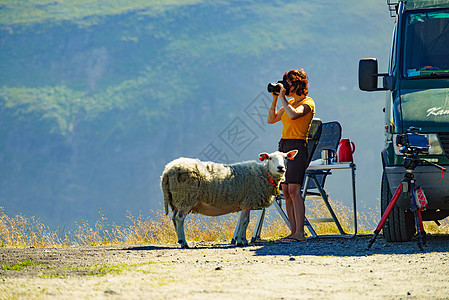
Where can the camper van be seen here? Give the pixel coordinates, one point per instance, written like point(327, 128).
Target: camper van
point(417, 85)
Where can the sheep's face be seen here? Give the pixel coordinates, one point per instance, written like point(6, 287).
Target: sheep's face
point(276, 160)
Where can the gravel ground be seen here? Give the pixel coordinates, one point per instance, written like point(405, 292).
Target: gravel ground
point(334, 268)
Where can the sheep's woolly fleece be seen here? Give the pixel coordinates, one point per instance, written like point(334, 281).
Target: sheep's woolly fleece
point(186, 181)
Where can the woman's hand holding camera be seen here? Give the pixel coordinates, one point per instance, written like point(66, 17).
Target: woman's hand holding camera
point(282, 90)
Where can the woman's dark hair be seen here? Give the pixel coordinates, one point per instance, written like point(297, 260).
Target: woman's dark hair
point(298, 79)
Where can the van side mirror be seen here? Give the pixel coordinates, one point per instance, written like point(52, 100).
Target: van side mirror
point(368, 75)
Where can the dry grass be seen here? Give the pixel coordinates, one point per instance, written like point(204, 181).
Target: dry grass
point(21, 231)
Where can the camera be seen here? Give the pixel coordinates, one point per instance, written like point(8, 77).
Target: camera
point(275, 89)
point(412, 144)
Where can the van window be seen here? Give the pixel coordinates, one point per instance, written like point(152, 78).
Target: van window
point(426, 44)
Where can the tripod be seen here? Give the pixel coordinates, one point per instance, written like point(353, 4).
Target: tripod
point(408, 187)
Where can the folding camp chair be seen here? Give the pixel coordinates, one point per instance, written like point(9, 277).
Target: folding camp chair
point(315, 132)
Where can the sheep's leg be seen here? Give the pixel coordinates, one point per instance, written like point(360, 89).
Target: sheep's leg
point(173, 219)
point(241, 233)
point(178, 221)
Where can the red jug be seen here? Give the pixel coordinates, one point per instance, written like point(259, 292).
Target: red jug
point(345, 150)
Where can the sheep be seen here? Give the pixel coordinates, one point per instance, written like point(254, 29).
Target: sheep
point(213, 189)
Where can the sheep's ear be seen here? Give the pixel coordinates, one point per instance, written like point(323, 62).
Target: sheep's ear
point(263, 156)
point(291, 154)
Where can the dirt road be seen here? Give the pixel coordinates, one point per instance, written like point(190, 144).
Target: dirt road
point(318, 269)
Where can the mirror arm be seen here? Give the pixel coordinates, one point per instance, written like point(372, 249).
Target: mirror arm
point(387, 81)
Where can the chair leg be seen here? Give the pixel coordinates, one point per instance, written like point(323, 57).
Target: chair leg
point(258, 228)
point(310, 228)
point(304, 189)
point(282, 213)
point(329, 207)
point(233, 241)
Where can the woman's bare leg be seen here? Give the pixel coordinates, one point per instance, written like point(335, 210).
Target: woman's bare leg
point(294, 191)
point(290, 209)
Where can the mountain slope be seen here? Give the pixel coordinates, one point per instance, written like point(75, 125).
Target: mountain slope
point(96, 96)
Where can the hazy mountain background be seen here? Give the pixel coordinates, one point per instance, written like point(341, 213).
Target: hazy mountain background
point(97, 96)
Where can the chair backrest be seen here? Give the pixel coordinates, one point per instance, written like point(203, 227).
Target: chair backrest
point(313, 137)
point(330, 137)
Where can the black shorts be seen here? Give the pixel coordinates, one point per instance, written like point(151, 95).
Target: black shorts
point(296, 169)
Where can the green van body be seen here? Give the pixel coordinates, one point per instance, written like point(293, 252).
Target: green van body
point(417, 85)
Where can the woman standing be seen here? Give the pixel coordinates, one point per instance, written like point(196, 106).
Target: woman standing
point(296, 116)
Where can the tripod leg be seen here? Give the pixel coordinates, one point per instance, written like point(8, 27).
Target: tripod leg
point(385, 215)
point(419, 235)
point(371, 241)
point(417, 216)
point(421, 226)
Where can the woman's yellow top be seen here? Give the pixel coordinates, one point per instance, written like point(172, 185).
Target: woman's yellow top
point(299, 128)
